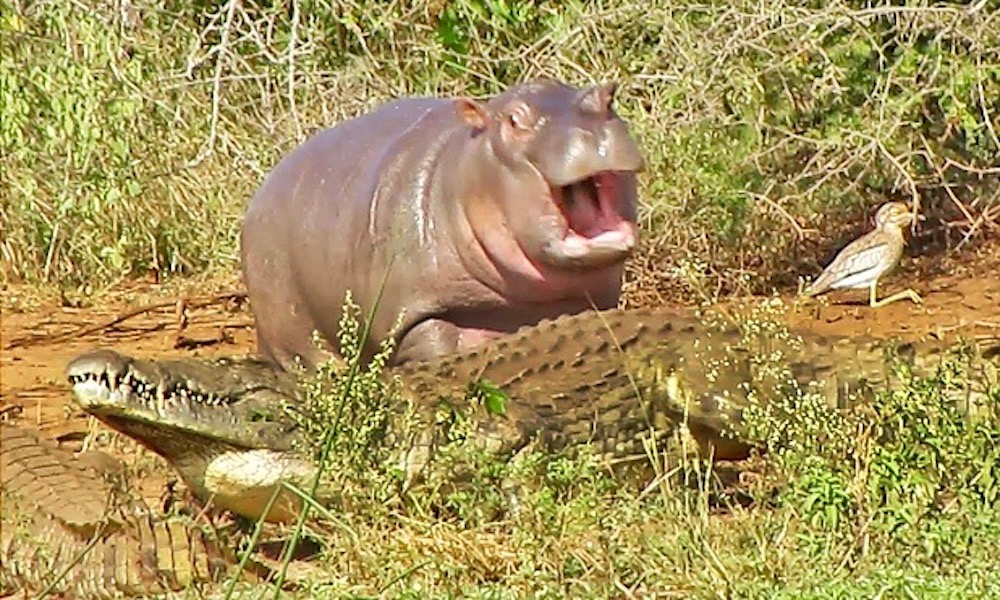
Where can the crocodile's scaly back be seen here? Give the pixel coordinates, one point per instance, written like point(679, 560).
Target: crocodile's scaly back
point(600, 377)
point(63, 521)
point(616, 377)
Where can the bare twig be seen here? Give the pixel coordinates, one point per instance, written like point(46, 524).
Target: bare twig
point(220, 62)
point(800, 232)
point(292, 40)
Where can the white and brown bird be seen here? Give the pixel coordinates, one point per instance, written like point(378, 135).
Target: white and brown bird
point(866, 259)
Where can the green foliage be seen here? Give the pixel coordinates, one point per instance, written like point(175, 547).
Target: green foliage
point(492, 397)
point(134, 136)
point(469, 28)
point(91, 147)
point(347, 411)
point(911, 469)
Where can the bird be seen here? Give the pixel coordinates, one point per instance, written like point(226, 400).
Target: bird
point(862, 262)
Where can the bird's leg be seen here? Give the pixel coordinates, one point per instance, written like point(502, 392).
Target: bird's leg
point(907, 293)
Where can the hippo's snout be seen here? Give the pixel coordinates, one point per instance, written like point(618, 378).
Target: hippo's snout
point(580, 153)
point(588, 160)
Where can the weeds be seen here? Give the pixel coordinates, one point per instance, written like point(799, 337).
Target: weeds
point(380, 452)
point(356, 397)
point(911, 481)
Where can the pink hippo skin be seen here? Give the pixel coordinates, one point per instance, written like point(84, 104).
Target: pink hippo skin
point(479, 218)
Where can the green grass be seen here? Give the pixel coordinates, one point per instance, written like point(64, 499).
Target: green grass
point(132, 139)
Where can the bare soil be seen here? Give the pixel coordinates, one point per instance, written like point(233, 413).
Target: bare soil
point(39, 337)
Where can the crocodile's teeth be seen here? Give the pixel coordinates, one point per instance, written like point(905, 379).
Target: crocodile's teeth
point(161, 399)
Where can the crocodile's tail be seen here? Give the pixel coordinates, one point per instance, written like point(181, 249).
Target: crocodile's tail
point(63, 527)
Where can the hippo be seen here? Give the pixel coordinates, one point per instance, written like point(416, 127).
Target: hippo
point(470, 219)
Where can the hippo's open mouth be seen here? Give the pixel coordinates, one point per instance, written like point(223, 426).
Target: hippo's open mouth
point(596, 232)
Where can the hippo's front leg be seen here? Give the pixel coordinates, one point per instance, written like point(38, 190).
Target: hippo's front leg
point(427, 340)
point(433, 338)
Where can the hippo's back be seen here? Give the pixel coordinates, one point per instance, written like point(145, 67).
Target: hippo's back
point(337, 165)
point(309, 232)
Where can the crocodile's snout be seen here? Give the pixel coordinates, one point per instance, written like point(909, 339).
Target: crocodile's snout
point(205, 425)
point(96, 375)
point(103, 378)
point(101, 364)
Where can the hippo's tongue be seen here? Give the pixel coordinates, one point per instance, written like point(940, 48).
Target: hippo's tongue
point(589, 206)
point(596, 231)
point(581, 208)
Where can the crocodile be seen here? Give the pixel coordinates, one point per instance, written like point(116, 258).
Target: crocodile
point(68, 531)
point(619, 381)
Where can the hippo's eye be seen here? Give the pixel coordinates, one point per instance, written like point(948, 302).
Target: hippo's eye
point(520, 118)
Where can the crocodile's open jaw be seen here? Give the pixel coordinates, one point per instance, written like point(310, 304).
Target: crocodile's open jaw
point(119, 394)
point(230, 449)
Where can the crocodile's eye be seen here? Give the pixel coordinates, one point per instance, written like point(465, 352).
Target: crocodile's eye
point(259, 417)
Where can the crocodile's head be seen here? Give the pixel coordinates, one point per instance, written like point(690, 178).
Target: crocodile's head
point(219, 423)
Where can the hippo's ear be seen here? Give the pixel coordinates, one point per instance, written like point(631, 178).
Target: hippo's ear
point(473, 113)
point(597, 99)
